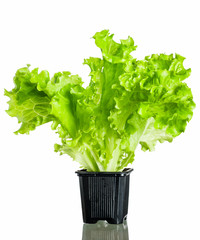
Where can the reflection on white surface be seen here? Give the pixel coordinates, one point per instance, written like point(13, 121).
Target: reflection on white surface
point(104, 231)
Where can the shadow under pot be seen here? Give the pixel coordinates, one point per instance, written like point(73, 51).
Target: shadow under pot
point(104, 195)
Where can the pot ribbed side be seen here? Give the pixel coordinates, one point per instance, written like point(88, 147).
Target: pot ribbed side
point(102, 196)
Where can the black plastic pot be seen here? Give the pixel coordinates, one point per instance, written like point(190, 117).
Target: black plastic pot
point(104, 195)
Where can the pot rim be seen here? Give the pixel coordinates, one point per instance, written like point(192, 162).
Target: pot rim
point(84, 172)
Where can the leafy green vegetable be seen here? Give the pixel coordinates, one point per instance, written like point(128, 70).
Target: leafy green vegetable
point(128, 102)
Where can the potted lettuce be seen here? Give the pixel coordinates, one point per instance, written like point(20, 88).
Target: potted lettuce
point(127, 103)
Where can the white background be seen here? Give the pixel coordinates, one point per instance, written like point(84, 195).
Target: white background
point(39, 191)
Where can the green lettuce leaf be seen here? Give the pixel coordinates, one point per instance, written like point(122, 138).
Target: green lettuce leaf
point(127, 103)
point(31, 107)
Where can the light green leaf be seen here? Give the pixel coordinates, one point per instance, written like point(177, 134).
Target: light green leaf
point(127, 103)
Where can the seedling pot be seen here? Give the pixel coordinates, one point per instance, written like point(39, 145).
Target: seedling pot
point(104, 195)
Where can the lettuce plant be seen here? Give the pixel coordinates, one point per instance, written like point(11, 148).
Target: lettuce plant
point(127, 102)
